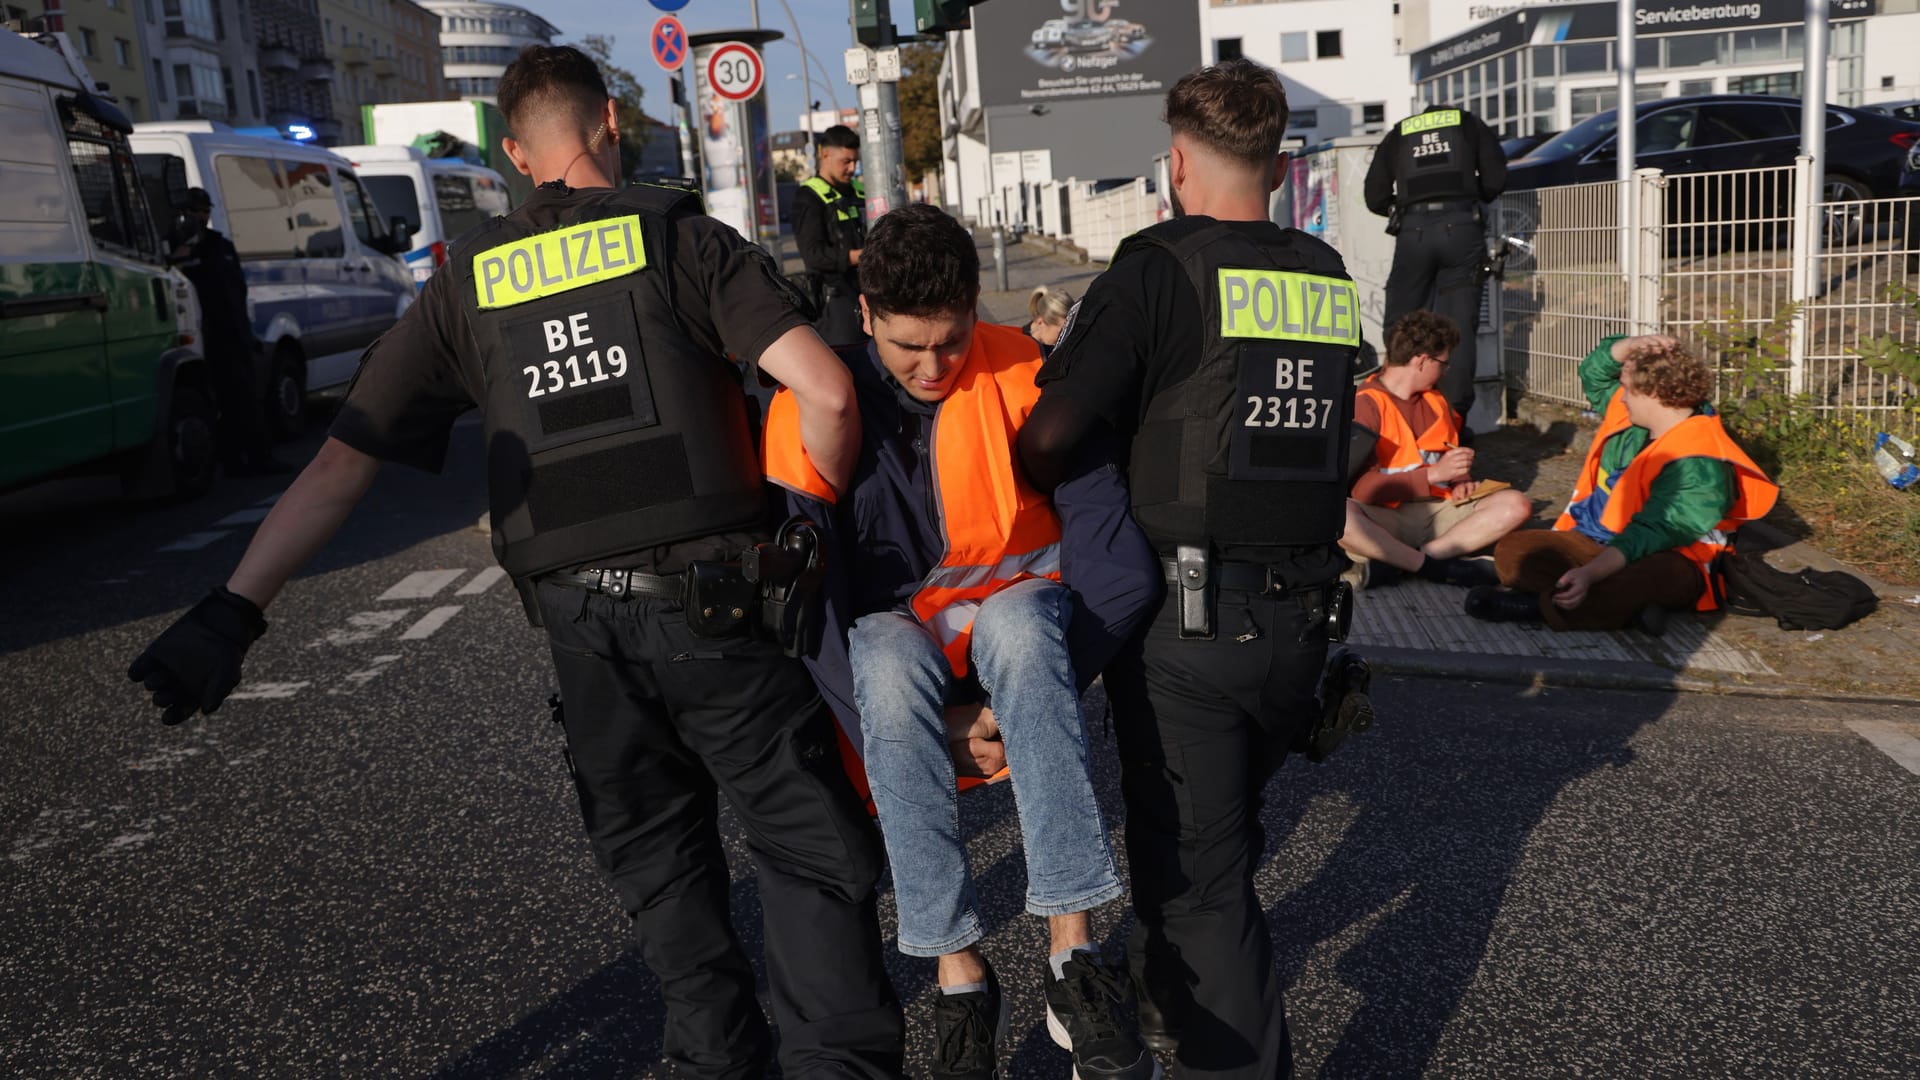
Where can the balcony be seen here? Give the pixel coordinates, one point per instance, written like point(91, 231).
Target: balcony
point(384, 67)
point(316, 69)
point(352, 55)
point(201, 109)
point(195, 31)
point(278, 58)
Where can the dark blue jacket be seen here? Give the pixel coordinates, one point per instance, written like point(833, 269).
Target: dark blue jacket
point(883, 538)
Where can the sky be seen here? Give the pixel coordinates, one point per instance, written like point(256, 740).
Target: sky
point(822, 23)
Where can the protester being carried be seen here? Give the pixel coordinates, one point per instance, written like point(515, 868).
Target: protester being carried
point(1662, 488)
point(946, 616)
point(1416, 507)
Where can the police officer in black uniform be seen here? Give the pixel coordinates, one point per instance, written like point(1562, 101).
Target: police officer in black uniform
point(830, 228)
point(1431, 178)
point(591, 328)
point(1221, 348)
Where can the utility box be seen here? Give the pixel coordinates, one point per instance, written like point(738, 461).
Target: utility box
point(469, 130)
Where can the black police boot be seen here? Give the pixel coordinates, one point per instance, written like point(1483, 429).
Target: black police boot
point(1652, 620)
point(1155, 1029)
point(1498, 605)
point(1346, 707)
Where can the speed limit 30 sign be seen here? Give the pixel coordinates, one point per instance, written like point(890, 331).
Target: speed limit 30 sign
point(735, 71)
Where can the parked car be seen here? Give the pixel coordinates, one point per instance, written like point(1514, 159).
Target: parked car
point(1899, 110)
point(323, 277)
point(437, 199)
point(98, 371)
point(1726, 133)
point(1519, 146)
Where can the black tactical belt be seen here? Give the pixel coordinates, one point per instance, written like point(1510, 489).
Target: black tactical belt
point(1443, 204)
point(621, 584)
point(1245, 577)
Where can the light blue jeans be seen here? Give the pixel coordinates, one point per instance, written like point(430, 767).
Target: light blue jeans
point(900, 683)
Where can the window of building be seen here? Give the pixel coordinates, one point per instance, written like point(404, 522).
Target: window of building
point(1646, 52)
point(1585, 56)
point(1293, 47)
point(1758, 46)
point(87, 48)
point(226, 88)
point(1886, 82)
point(1326, 44)
point(1226, 49)
point(1303, 120)
point(160, 80)
point(1783, 84)
point(1696, 50)
point(253, 90)
point(1691, 87)
point(122, 52)
point(1373, 113)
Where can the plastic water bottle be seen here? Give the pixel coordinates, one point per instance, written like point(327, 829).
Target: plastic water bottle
point(1893, 459)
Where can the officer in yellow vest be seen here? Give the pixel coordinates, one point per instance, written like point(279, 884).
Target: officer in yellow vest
point(829, 228)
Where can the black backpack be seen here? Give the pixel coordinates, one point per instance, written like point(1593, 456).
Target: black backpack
point(1802, 600)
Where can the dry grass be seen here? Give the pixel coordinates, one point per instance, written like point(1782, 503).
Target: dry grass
point(1855, 516)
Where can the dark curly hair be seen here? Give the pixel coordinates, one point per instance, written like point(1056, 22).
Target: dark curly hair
point(1420, 333)
point(545, 79)
point(1669, 373)
point(919, 261)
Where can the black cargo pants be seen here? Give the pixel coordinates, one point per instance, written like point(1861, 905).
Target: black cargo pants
point(1435, 265)
point(658, 723)
point(1202, 726)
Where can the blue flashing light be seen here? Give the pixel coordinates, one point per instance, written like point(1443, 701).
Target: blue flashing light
point(299, 132)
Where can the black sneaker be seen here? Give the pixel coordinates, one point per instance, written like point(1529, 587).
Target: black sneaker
point(1086, 1013)
point(967, 1032)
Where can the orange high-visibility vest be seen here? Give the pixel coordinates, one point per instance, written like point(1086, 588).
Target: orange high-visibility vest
point(1612, 422)
point(1696, 436)
point(1399, 448)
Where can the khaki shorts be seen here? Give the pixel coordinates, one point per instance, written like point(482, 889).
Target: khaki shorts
point(1415, 523)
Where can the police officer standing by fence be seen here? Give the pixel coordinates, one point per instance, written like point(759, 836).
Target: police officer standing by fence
point(1431, 178)
point(591, 328)
point(1221, 347)
point(830, 228)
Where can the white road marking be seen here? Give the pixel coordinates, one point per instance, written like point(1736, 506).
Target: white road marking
point(1892, 741)
point(431, 621)
point(364, 626)
point(193, 541)
point(355, 680)
point(253, 516)
point(481, 582)
point(421, 584)
point(266, 691)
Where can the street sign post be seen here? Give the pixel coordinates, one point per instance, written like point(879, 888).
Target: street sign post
point(669, 40)
point(736, 71)
point(669, 5)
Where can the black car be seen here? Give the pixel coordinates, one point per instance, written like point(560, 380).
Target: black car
point(1729, 135)
point(1518, 146)
point(1865, 151)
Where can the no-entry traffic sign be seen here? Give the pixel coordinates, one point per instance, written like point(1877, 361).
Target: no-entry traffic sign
point(735, 71)
point(669, 43)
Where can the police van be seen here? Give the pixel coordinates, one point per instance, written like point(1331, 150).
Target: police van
point(98, 368)
point(439, 198)
point(323, 279)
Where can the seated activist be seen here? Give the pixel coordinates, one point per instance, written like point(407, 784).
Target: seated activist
point(945, 612)
point(1661, 491)
point(1414, 508)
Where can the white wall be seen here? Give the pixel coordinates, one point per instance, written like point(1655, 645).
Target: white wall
point(1893, 43)
point(1368, 71)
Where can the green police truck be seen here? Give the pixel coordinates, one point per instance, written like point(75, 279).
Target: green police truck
point(98, 367)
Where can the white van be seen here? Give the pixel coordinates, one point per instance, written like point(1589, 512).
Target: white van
point(98, 365)
point(439, 198)
point(323, 279)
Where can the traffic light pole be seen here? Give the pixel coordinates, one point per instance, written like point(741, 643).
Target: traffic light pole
point(873, 64)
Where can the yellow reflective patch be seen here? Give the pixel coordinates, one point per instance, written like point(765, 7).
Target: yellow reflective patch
point(1428, 121)
point(1288, 306)
point(556, 261)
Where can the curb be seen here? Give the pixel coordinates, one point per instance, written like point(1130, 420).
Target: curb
point(1591, 675)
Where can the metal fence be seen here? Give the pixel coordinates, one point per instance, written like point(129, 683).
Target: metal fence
point(1713, 257)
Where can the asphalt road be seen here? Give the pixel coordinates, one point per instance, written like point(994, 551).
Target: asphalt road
point(370, 862)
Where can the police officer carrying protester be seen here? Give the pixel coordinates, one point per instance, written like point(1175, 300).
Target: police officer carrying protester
point(1220, 348)
point(1431, 178)
point(591, 328)
point(830, 228)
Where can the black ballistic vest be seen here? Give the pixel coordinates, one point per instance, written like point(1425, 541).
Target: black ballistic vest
point(608, 429)
point(1251, 449)
point(1435, 159)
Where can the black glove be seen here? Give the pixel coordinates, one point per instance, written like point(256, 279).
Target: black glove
point(195, 664)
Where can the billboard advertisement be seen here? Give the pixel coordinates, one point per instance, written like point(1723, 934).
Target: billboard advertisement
point(1058, 50)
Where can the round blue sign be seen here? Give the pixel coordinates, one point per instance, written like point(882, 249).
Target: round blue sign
point(669, 5)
